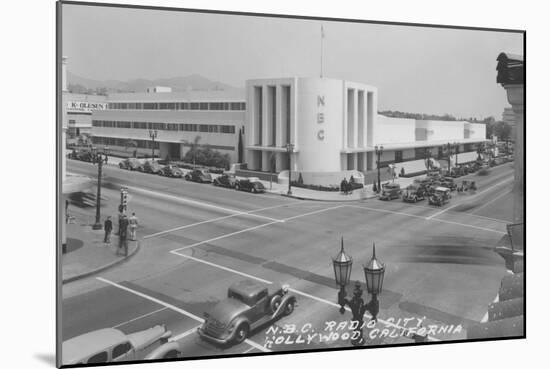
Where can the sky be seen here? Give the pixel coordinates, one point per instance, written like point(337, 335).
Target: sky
point(416, 69)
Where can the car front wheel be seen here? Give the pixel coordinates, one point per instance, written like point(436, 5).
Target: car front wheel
point(242, 333)
point(289, 308)
point(237, 187)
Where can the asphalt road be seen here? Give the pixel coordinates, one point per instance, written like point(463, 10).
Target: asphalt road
point(197, 239)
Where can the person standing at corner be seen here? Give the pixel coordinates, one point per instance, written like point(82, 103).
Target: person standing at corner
point(123, 235)
point(108, 227)
point(133, 223)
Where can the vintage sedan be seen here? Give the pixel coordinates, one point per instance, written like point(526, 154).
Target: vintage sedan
point(390, 191)
point(110, 345)
point(414, 193)
point(199, 175)
point(130, 164)
point(225, 180)
point(171, 170)
point(152, 167)
point(440, 196)
point(248, 305)
point(251, 184)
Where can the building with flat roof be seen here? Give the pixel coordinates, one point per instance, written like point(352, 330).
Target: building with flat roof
point(178, 118)
point(334, 128)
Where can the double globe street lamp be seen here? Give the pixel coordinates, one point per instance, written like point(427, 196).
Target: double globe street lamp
point(374, 277)
point(153, 133)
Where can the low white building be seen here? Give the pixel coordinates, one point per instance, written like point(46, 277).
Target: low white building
point(334, 128)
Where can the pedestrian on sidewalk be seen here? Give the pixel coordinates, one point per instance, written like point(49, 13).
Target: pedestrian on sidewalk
point(133, 222)
point(123, 236)
point(120, 215)
point(108, 227)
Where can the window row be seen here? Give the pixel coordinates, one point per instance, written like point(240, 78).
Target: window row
point(184, 127)
point(178, 106)
point(111, 141)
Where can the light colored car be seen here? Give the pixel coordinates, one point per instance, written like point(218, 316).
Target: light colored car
point(112, 345)
point(248, 306)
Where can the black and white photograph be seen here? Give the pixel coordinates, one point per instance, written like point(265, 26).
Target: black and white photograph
point(238, 184)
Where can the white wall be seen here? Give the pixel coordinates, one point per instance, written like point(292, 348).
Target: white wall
point(394, 130)
point(442, 130)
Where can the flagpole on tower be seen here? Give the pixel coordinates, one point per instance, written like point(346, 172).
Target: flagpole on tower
point(322, 37)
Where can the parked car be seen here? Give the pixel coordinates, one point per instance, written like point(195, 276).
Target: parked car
point(390, 191)
point(130, 164)
point(440, 196)
point(248, 305)
point(448, 182)
point(251, 184)
point(467, 186)
point(199, 175)
point(225, 180)
point(110, 345)
point(82, 155)
point(171, 170)
point(414, 193)
point(423, 183)
point(152, 167)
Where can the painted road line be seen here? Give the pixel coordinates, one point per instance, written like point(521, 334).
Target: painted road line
point(197, 203)
point(291, 289)
point(468, 226)
point(469, 199)
point(172, 307)
point(247, 351)
point(184, 334)
point(492, 200)
point(221, 267)
point(140, 317)
point(254, 228)
point(213, 220)
point(387, 211)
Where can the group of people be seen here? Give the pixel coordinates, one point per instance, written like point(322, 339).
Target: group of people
point(346, 187)
point(126, 230)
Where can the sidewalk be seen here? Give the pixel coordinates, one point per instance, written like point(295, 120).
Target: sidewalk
point(307, 194)
point(86, 252)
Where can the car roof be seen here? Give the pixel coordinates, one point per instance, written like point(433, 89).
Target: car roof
point(443, 189)
point(247, 288)
point(80, 347)
point(391, 185)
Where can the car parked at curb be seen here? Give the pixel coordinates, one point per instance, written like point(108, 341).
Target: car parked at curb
point(251, 184)
point(225, 180)
point(152, 167)
point(199, 175)
point(414, 193)
point(248, 306)
point(130, 164)
point(390, 191)
point(171, 170)
point(111, 345)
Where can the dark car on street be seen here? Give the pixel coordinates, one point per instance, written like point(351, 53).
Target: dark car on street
point(448, 182)
point(199, 175)
point(171, 170)
point(440, 196)
point(414, 193)
point(390, 191)
point(252, 184)
point(152, 167)
point(130, 164)
point(81, 155)
point(248, 306)
point(225, 180)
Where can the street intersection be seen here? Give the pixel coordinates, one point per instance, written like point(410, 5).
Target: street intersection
point(196, 240)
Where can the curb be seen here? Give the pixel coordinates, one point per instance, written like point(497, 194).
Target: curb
point(325, 200)
point(103, 267)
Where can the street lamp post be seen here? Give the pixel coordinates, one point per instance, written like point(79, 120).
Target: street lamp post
point(289, 150)
point(378, 150)
point(427, 157)
point(374, 277)
point(456, 154)
point(449, 154)
point(99, 159)
point(153, 133)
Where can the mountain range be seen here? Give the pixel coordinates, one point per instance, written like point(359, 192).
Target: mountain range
point(195, 82)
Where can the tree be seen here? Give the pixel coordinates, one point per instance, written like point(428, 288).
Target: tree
point(240, 147)
point(84, 139)
point(193, 148)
